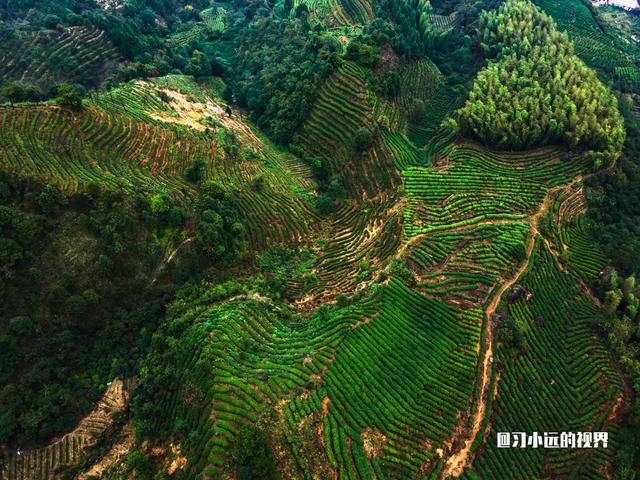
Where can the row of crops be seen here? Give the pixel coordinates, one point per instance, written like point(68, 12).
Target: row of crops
point(474, 185)
point(358, 11)
point(629, 76)
point(467, 221)
point(70, 449)
point(363, 235)
point(212, 22)
point(593, 45)
point(75, 54)
point(462, 266)
point(340, 13)
point(214, 18)
point(421, 86)
point(563, 378)
point(406, 373)
point(583, 255)
point(287, 179)
point(343, 107)
point(440, 24)
point(93, 147)
point(564, 227)
point(362, 239)
point(116, 143)
point(329, 11)
point(244, 357)
point(42, 463)
point(396, 366)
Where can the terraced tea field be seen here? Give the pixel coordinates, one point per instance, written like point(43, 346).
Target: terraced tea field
point(258, 361)
point(469, 185)
point(596, 47)
point(375, 297)
point(401, 374)
point(71, 448)
point(400, 383)
point(340, 13)
point(344, 106)
point(146, 148)
point(76, 54)
point(565, 380)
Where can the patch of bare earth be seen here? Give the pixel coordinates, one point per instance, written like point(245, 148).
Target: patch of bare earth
point(616, 412)
point(99, 425)
point(191, 113)
point(114, 456)
point(372, 441)
point(178, 461)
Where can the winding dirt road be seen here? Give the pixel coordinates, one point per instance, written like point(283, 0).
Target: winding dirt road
point(456, 463)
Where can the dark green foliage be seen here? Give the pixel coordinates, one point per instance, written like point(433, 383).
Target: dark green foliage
point(363, 53)
point(253, 456)
point(91, 258)
point(537, 91)
point(279, 65)
point(219, 233)
point(362, 140)
point(69, 97)
point(139, 464)
point(332, 193)
point(614, 202)
point(164, 96)
point(199, 65)
point(195, 171)
point(281, 266)
point(331, 189)
point(391, 84)
point(258, 183)
point(416, 110)
point(12, 92)
point(21, 326)
point(85, 329)
point(399, 20)
point(621, 328)
point(512, 333)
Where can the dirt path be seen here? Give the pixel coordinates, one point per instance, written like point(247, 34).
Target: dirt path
point(117, 452)
point(459, 228)
point(95, 426)
point(456, 463)
point(169, 259)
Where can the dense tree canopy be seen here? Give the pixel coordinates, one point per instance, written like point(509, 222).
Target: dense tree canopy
point(279, 66)
point(91, 258)
point(536, 91)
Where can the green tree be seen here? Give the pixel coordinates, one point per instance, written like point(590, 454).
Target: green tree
point(536, 91)
point(199, 65)
point(362, 139)
point(21, 326)
point(194, 172)
point(253, 456)
point(160, 204)
point(68, 97)
point(12, 92)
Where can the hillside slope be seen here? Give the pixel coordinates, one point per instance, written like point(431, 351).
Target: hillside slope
point(191, 287)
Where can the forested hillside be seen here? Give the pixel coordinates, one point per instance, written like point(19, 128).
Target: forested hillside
point(318, 239)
